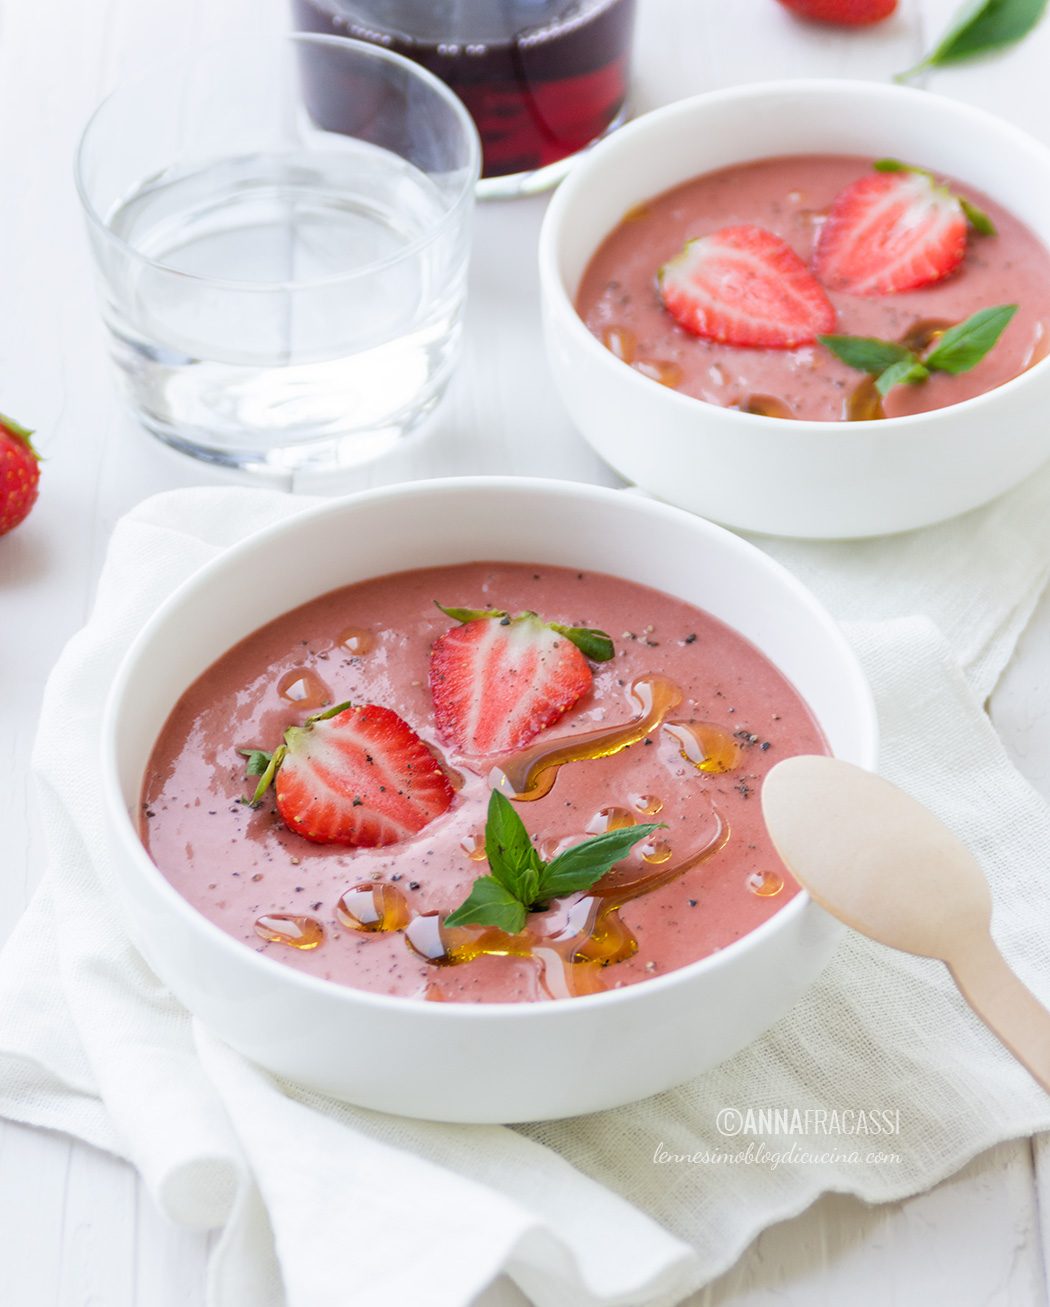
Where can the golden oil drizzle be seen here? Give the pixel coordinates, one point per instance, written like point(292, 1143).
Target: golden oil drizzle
point(373, 906)
point(591, 933)
point(765, 884)
point(666, 372)
point(296, 932)
point(357, 640)
point(647, 804)
point(531, 773)
point(304, 688)
point(708, 747)
point(622, 342)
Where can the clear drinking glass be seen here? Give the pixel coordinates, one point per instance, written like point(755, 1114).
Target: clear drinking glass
point(283, 294)
point(542, 78)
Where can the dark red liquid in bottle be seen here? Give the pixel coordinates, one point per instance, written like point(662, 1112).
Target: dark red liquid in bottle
point(541, 78)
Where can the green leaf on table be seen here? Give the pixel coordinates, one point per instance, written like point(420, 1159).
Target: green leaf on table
point(979, 27)
point(867, 353)
point(964, 345)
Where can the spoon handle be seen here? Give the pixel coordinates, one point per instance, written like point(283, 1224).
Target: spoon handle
point(1006, 1006)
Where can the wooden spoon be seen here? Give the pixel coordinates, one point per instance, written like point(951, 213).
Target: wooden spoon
point(879, 861)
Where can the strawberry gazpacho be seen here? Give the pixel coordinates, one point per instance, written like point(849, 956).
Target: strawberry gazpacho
point(482, 782)
point(822, 287)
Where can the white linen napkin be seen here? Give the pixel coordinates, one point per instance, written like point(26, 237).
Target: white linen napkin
point(315, 1198)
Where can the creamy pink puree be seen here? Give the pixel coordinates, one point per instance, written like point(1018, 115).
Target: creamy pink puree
point(235, 864)
point(789, 197)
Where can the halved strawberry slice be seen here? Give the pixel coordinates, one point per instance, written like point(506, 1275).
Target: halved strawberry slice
point(498, 680)
point(890, 232)
point(353, 775)
point(745, 286)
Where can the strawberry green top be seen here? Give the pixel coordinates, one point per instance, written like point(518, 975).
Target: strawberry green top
point(666, 741)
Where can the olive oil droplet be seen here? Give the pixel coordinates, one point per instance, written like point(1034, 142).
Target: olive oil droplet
point(662, 370)
point(473, 845)
point(656, 851)
point(304, 688)
point(607, 819)
point(648, 804)
point(766, 406)
point(356, 640)
point(764, 883)
point(708, 747)
point(373, 907)
point(297, 932)
point(620, 341)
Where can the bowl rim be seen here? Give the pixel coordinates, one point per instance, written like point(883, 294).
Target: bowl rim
point(136, 857)
point(557, 298)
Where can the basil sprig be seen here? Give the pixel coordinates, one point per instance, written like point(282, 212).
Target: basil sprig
point(892, 364)
point(981, 26)
point(519, 881)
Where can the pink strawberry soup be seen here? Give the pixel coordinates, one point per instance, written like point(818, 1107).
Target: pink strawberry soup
point(620, 302)
point(678, 727)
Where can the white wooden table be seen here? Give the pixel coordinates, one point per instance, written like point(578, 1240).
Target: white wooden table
point(76, 1226)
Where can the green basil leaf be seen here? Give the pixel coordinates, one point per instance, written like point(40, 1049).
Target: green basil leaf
point(980, 26)
point(907, 370)
point(489, 904)
point(595, 645)
point(469, 614)
point(866, 353)
point(894, 165)
point(964, 345)
point(509, 850)
point(579, 867)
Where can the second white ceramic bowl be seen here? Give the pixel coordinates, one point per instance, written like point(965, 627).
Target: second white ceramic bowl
point(463, 1061)
point(794, 478)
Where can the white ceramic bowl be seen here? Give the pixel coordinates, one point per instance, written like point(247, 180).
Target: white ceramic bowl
point(464, 1062)
point(811, 479)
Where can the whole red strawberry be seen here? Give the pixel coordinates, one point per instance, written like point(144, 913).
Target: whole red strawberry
point(19, 474)
point(846, 13)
